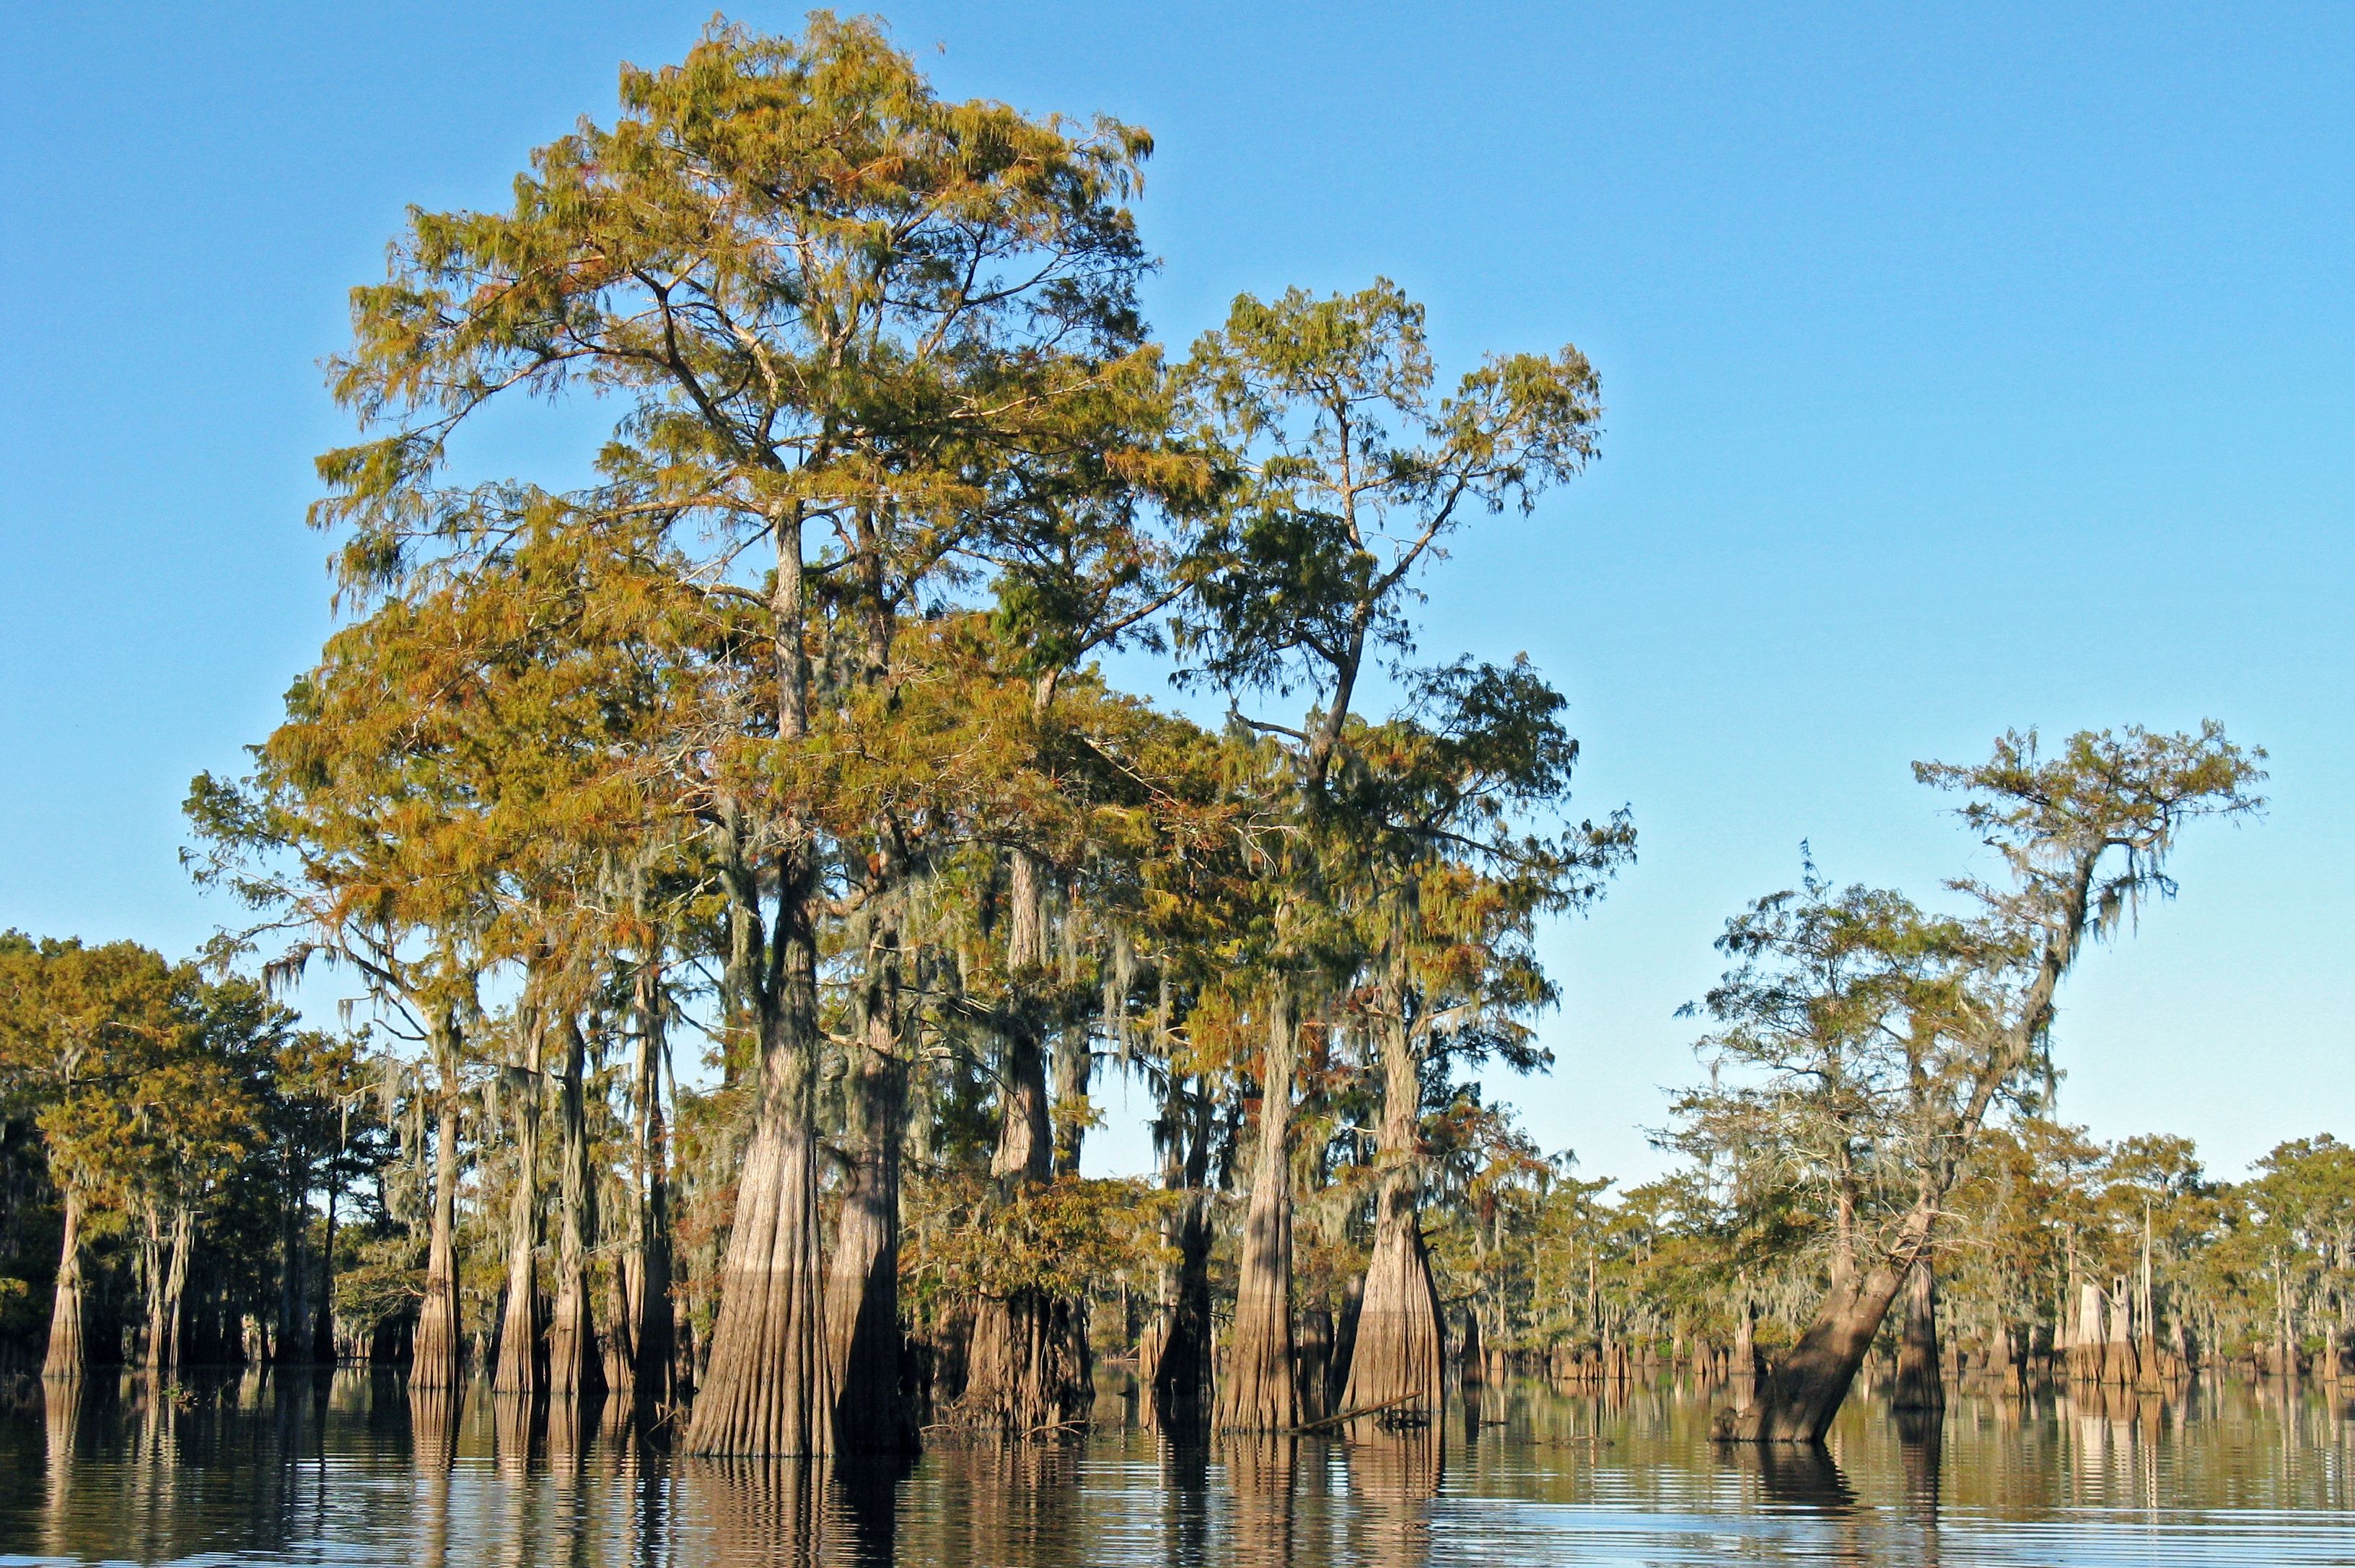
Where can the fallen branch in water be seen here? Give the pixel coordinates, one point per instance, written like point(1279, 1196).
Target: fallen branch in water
point(1354, 1414)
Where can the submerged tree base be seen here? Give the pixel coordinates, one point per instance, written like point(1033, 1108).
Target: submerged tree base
point(1800, 1393)
point(1398, 1356)
point(769, 1389)
point(1027, 1366)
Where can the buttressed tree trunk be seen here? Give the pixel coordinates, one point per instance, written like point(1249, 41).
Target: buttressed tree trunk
point(862, 1309)
point(434, 1363)
point(1258, 1391)
point(69, 1351)
point(1398, 1352)
point(1919, 1383)
point(523, 1318)
point(574, 1368)
point(770, 1386)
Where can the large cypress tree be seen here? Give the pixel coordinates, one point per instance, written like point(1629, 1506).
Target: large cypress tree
point(817, 294)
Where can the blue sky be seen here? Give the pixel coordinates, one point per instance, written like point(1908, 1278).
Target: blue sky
point(1966, 368)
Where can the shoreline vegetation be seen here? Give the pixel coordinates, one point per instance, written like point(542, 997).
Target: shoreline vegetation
point(783, 743)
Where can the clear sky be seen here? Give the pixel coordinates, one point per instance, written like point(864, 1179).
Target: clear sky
point(1968, 367)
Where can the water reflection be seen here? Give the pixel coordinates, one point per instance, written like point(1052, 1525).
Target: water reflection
point(1261, 1469)
point(350, 1468)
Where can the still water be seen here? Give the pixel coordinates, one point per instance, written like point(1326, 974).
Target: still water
point(340, 1471)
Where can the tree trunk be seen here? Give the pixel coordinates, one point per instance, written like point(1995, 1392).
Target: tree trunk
point(165, 1337)
point(654, 1338)
point(323, 1324)
point(862, 1309)
point(1028, 1366)
point(769, 1388)
point(2119, 1364)
point(522, 1359)
point(1176, 1362)
point(294, 1270)
point(435, 1363)
point(1921, 1385)
point(1800, 1393)
point(1313, 1355)
point(574, 1369)
point(2284, 1349)
point(1344, 1341)
point(1074, 1065)
point(69, 1352)
point(1178, 1370)
point(1258, 1391)
point(1025, 1146)
point(150, 1273)
point(1399, 1350)
point(1026, 1363)
point(2089, 1334)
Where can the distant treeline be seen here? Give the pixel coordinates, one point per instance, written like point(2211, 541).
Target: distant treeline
point(242, 1190)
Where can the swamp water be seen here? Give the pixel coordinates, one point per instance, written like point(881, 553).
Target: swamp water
point(341, 1470)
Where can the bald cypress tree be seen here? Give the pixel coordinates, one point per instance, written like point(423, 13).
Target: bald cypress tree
point(817, 294)
point(1344, 474)
point(2084, 836)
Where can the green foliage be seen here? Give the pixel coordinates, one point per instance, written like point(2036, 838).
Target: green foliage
point(1069, 1239)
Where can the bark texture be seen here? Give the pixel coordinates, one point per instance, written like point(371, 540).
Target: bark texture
point(1399, 1353)
point(1258, 1391)
point(69, 1352)
point(864, 1342)
point(769, 1389)
point(574, 1367)
point(1399, 1349)
point(520, 1370)
point(436, 1362)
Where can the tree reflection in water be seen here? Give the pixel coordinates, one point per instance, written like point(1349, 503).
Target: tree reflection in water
point(1260, 1469)
point(358, 1470)
point(1394, 1474)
